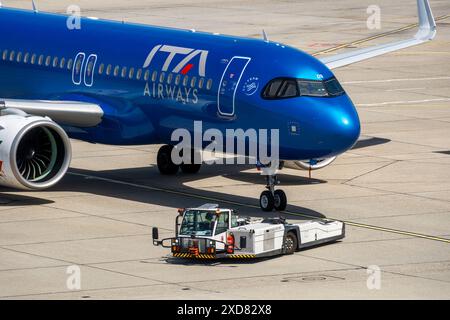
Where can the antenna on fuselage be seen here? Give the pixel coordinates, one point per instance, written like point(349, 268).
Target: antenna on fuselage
point(265, 37)
point(34, 6)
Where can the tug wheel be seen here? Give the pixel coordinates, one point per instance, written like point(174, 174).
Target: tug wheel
point(280, 200)
point(164, 161)
point(266, 201)
point(290, 243)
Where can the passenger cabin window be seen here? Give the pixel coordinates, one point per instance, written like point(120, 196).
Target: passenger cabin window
point(209, 84)
point(5, 54)
point(139, 74)
point(283, 88)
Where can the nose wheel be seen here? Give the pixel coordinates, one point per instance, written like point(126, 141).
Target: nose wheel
point(272, 199)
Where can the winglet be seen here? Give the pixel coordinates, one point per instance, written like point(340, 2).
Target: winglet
point(427, 25)
point(265, 37)
point(34, 6)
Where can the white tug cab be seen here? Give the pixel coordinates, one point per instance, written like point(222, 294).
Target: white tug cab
point(209, 232)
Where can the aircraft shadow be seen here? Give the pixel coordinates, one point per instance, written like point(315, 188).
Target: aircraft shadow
point(7, 199)
point(176, 191)
point(372, 141)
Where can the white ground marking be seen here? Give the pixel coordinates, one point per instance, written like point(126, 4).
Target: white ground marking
point(396, 80)
point(401, 102)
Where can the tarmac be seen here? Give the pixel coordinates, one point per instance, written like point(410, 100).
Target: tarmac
point(392, 189)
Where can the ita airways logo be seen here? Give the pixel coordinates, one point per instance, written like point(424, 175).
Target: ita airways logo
point(190, 59)
point(251, 86)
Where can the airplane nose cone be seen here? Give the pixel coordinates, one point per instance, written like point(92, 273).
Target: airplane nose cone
point(345, 129)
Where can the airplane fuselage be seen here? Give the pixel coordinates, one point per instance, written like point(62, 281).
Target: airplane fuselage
point(150, 81)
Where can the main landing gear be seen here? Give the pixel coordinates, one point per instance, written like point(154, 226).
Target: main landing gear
point(167, 167)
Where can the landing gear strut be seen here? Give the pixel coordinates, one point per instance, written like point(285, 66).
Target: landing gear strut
point(167, 167)
point(272, 199)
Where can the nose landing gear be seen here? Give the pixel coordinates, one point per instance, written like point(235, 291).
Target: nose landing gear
point(272, 199)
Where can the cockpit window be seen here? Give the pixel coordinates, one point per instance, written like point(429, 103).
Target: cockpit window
point(282, 88)
point(312, 88)
point(333, 87)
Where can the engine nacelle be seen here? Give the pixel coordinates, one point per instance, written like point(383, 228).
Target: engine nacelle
point(309, 165)
point(35, 152)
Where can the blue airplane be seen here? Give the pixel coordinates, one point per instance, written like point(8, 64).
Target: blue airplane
point(125, 84)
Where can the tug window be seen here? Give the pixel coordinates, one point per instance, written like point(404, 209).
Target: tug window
point(222, 224)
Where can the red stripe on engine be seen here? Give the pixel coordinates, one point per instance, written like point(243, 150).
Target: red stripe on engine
point(187, 68)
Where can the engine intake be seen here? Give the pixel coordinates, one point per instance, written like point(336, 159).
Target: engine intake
point(35, 152)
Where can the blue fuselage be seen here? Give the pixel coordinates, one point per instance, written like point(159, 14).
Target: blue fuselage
point(151, 80)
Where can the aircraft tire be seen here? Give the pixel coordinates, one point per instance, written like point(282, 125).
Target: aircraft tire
point(266, 201)
point(164, 161)
point(280, 200)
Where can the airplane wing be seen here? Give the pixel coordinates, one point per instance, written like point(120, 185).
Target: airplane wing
point(426, 32)
point(72, 113)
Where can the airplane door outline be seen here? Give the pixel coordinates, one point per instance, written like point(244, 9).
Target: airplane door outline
point(228, 86)
point(92, 58)
point(79, 73)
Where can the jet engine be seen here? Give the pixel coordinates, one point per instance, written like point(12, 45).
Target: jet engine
point(314, 164)
point(35, 152)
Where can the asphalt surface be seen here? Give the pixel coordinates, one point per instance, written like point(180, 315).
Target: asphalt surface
point(392, 189)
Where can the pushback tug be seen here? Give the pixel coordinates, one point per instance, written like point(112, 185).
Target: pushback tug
point(210, 232)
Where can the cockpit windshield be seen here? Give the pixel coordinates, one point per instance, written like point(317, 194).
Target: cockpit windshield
point(198, 223)
point(282, 88)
